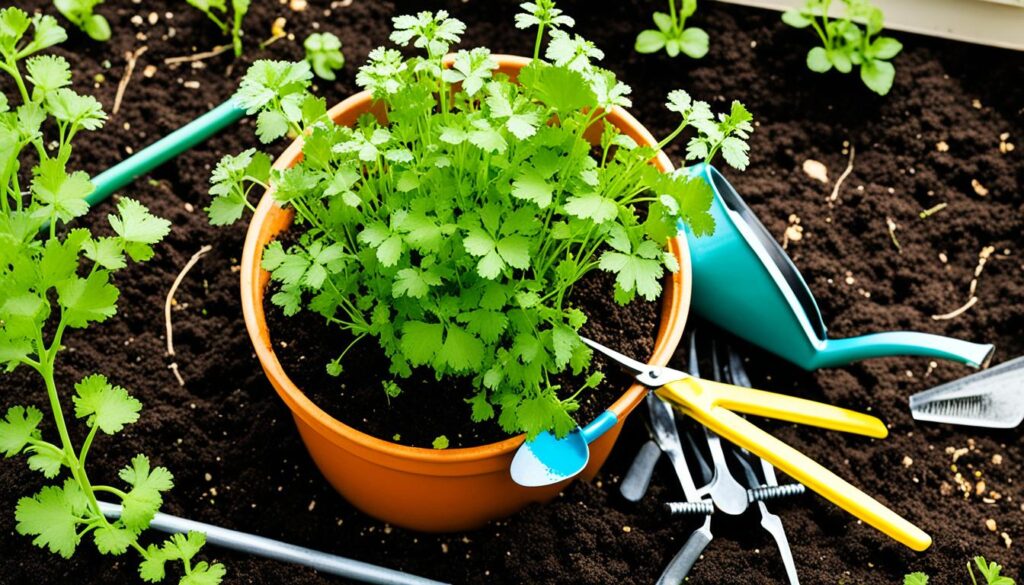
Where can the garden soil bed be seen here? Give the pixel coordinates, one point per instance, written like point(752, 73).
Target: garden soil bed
point(239, 462)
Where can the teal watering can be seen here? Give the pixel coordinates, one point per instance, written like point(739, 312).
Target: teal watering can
point(744, 282)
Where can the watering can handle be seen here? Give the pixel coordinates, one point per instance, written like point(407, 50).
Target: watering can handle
point(838, 352)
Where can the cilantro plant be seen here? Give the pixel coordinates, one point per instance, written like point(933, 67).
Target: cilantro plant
point(672, 35)
point(845, 44)
point(80, 13)
point(228, 24)
point(323, 53)
point(54, 280)
point(454, 232)
point(989, 571)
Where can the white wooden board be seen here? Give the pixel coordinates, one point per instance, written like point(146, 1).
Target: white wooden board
point(999, 23)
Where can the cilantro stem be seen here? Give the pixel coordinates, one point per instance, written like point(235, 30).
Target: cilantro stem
point(11, 68)
point(537, 43)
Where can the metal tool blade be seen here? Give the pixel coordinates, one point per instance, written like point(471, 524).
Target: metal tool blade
point(625, 362)
point(992, 398)
point(663, 422)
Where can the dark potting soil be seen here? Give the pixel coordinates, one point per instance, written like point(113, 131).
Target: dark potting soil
point(233, 448)
point(427, 408)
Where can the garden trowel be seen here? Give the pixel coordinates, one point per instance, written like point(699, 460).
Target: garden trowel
point(992, 398)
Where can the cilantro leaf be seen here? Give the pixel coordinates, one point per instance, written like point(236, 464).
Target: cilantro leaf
point(105, 406)
point(52, 517)
point(138, 228)
point(21, 425)
point(144, 500)
point(89, 299)
point(62, 195)
point(113, 539)
point(915, 579)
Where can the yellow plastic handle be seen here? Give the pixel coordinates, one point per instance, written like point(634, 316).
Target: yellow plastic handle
point(689, 396)
point(791, 408)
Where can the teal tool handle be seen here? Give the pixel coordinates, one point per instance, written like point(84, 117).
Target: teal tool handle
point(162, 150)
point(599, 426)
point(838, 352)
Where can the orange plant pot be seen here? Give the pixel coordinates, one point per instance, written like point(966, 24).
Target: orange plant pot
point(427, 489)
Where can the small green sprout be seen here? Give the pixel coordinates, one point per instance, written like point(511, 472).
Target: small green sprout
point(990, 571)
point(845, 44)
point(323, 53)
point(233, 26)
point(441, 442)
point(672, 34)
point(80, 13)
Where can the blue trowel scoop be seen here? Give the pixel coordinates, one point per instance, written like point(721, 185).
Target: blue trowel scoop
point(744, 282)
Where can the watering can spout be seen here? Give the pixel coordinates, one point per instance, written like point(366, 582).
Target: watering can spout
point(838, 352)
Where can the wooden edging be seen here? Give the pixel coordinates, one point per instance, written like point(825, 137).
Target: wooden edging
point(999, 23)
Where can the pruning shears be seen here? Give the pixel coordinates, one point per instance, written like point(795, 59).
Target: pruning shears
point(712, 405)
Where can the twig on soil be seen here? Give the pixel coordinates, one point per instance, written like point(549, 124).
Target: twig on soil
point(932, 210)
point(170, 295)
point(891, 224)
point(957, 312)
point(983, 257)
point(131, 57)
point(842, 177)
point(174, 368)
point(197, 56)
point(276, 32)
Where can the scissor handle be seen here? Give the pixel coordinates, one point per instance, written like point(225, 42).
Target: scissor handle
point(691, 397)
point(790, 408)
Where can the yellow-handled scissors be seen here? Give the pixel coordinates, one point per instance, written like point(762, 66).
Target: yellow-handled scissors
point(712, 405)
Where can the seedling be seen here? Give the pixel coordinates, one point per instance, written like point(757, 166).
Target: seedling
point(323, 53)
point(47, 289)
point(454, 234)
point(80, 13)
point(232, 25)
point(989, 571)
point(845, 44)
point(672, 34)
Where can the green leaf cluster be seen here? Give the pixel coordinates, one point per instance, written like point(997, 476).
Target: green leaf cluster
point(991, 572)
point(80, 13)
point(323, 53)
point(54, 278)
point(671, 33)
point(228, 20)
point(454, 232)
point(845, 44)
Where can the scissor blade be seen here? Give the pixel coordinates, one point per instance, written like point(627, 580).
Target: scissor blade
point(625, 362)
point(773, 524)
point(992, 398)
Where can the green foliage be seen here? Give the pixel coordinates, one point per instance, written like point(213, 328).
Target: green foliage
point(54, 278)
point(229, 21)
point(989, 571)
point(845, 44)
point(80, 13)
point(455, 233)
point(323, 53)
point(441, 442)
point(672, 34)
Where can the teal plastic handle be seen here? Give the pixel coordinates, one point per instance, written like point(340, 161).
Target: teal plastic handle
point(161, 151)
point(599, 426)
point(838, 352)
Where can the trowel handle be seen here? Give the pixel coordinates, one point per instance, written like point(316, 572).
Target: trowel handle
point(168, 147)
point(839, 352)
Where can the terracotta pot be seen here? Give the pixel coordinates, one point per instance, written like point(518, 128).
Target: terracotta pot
point(428, 489)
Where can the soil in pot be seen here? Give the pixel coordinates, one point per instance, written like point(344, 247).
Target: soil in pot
point(232, 445)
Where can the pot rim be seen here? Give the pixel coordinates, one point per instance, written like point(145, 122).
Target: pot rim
point(254, 278)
